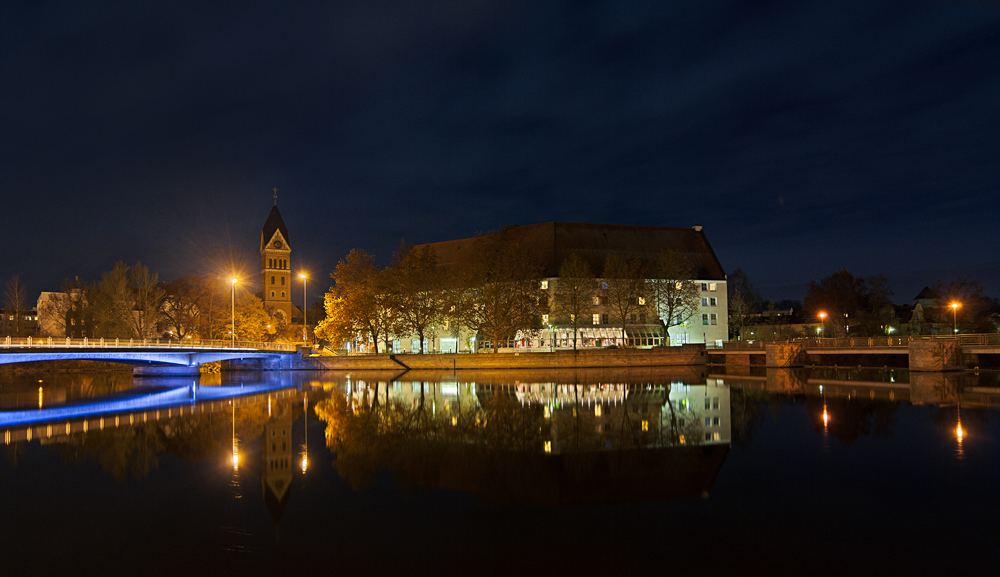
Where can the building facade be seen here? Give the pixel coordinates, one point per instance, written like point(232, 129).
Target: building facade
point(552, 243)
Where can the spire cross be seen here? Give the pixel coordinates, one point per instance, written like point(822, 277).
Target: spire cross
point(275, 196)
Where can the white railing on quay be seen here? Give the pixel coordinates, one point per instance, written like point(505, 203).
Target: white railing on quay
point(854, 342)
point(117, 343)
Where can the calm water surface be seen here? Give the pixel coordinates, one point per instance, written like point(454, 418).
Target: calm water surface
point(689, 471)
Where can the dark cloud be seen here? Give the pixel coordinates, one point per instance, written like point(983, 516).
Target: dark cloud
point(805, 136)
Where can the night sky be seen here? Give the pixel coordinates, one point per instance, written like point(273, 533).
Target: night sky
point(804, 136)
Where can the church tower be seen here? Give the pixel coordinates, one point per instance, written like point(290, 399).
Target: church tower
point(275, 265)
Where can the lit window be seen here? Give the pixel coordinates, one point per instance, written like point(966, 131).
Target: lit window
point(572, 318)
point(597, 300)
point(682, 440)
point(597, 319)
point(72, 322)
point(597, 410)
point(645, 425)
point(704, 319)
point(716, 436)
point(545, 320)
point(679, 286)
point(711, 286)
point(548, 446)
point(642, 301)
point(713, 302)
point(545, 285)
point(715, 319)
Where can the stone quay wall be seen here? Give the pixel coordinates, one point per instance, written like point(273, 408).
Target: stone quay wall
point(685, 355)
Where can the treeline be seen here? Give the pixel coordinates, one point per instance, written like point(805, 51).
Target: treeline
point(496, 292)
point(131, 302)
point(863, 307)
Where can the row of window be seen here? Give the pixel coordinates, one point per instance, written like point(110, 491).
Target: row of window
point(282, 280)
point(710, 319)
point(709, 287)
point(277, 263)
point(709, 302)
point(282, 294)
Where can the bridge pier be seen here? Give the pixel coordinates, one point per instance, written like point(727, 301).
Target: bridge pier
point(166, 371)
point(785, 355)
point(935, 355)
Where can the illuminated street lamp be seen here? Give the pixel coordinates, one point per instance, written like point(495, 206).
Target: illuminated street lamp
point(233, 325)
point(954, 310)
point(822, 320)
point(305, 324)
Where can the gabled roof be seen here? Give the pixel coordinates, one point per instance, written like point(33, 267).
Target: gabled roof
point(927, 294)
point(273, 223)
point(552, 242)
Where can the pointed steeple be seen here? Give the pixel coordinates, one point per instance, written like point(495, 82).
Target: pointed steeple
point(272, 224)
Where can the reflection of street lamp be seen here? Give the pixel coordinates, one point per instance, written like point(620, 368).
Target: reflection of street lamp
point(552, 340)
point(960, 433)
point(822, 320)
point(305, 448)
point(954, 310)
point(233, 326)
point(304, 318)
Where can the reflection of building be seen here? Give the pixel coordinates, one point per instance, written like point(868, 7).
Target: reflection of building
point(275, 265)
point(553, 242)
point(591, 417)
point(276, 458)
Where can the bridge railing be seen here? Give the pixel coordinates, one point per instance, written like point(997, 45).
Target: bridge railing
point(883, 341)
point(103, 343)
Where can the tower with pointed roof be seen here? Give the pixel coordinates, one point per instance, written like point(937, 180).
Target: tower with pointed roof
point(275, 264)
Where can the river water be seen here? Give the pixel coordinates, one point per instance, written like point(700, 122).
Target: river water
point(696, 470)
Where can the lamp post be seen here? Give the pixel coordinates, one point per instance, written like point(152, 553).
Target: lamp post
point(954, 310)
point(305, 324)
point(233, 325)
point(822, 320)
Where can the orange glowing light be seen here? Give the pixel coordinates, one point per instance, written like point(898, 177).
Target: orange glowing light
point(822, 316)
point(955, 306)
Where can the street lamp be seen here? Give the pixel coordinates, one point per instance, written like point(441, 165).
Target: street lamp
point(305, 325)
point(822, 320)
point(233, 325)
point(954, 310)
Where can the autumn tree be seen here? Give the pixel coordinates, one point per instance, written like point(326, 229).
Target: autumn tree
point(421, 290)
point(574, 293)
point(500, 290)
point(254, 322)
point(626, 290)
point(675, 294)
point(16, 302)
point(364, 296)
point(743, 300)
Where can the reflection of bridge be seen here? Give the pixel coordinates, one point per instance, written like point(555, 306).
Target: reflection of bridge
point(132, 409)
point(926, 353)
point(180, 357)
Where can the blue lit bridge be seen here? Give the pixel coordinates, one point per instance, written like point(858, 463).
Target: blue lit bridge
point(150, 356)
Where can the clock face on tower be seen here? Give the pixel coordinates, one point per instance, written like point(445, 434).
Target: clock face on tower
point(277, 244)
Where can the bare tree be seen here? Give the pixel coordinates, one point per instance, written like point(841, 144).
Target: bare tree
point(500, 290)
point(675, 294)
point(574, 293)
point(744, 302)
point(626, 287)
point(420, 290)
point(16, 302)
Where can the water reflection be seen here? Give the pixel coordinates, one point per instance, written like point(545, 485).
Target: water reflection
point(523, 438)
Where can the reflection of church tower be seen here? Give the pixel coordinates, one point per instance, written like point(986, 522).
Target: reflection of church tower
point(277, 460)
point(275, 264)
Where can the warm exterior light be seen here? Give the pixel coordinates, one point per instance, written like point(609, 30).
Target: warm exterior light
point(955, 305)
point(236, 280)
point(822, 316)
point(305, 463)
point(959, 433)
point(303, 276)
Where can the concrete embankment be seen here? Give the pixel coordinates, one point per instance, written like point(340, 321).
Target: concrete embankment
point(686, 355)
